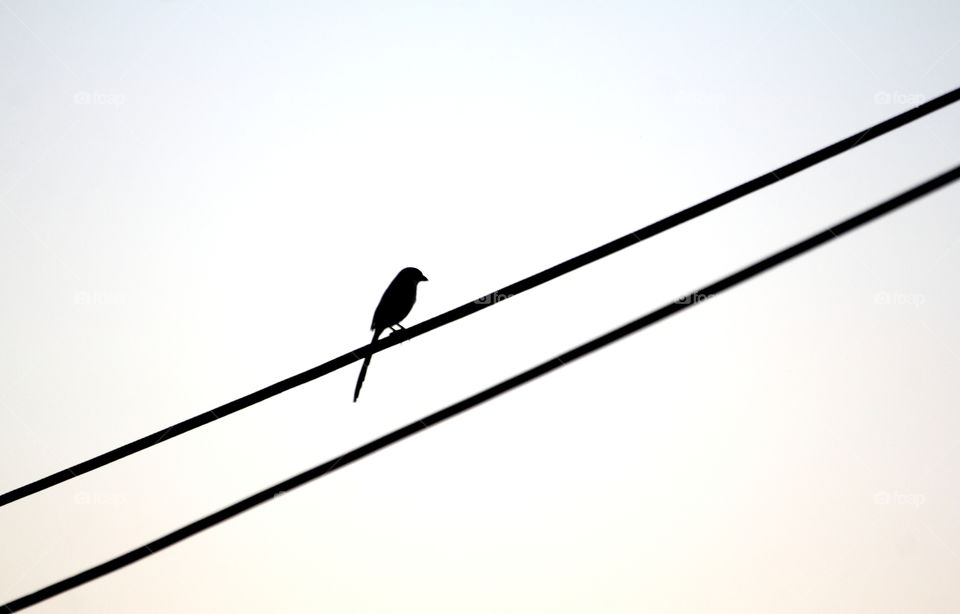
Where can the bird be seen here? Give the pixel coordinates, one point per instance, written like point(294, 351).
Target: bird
point(395, 305)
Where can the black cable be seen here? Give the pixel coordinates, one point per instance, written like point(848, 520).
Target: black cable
point(669, 309)
point(494, 297)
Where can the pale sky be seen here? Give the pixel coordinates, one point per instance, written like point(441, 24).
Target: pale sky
point(198, 199)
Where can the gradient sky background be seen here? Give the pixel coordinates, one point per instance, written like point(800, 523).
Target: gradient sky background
point(198, 199)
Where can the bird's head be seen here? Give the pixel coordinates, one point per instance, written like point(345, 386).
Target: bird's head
point(413, 275)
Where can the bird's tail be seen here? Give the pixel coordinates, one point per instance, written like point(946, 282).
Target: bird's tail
point(363, 369)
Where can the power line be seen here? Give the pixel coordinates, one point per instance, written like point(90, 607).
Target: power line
point(472, 307)
point(669, 309)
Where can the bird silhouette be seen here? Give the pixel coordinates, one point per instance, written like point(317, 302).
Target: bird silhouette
point(396, 303)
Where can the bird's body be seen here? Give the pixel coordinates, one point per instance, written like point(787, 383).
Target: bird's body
point(395, 305)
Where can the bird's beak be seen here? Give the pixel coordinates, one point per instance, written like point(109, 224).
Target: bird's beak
point(424, 278)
